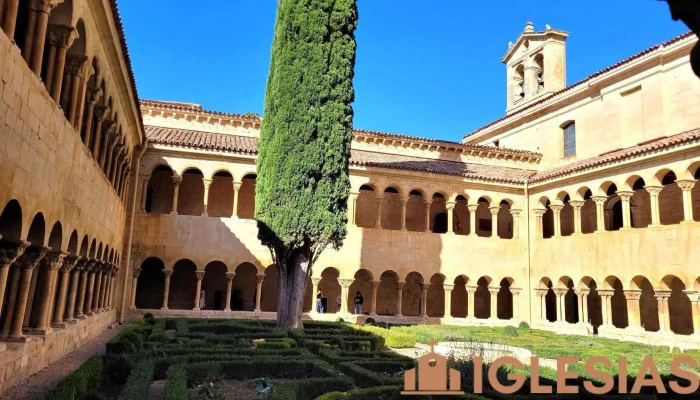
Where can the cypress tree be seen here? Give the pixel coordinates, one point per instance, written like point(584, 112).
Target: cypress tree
point(303, 164)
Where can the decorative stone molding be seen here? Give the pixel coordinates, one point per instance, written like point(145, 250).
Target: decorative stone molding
point(560, 291)
point(632, 294)
point(168, 272)
point(662, 294)
point(471, 289)
point(577, 204)
point(260, 278)
point(69, 262)
point(606, 292)
point(230, 275)
point(686, 184)
point(136, 272)
point(11, 251)
point(345, 283)
point(31, 257)
point(60, 35)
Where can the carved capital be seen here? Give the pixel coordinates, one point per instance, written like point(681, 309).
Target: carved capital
point(425, 286)
point(582, 291)
point(686, 184)
point(577, 204)
point(315, 281)
point(515, 213)
point(494, 290)
point(93, 94)
point(515, 291)
point(207, 183)
point(345, 283)
point(472, 207)
point(632, 294)
point(494, 210)
point(556, 208)
point(606, 292)
point(538, 212)
point(450, 205)
point(11, 251)
point(42, 5)
point(177, 180)
point(561, 291)
point(69, 262)
point(60, 35)
point(53, 260)
point(653, 190)
point(107, 127)
point(599, 200)
point(237, 186)
point(75, 64)
point(625, 195)
point(400, 284)
point(375, 284)
point(230, 275)
point(693, 296)
point(427, 203)
point(379, 199)
point(260, 278)
point(31, 257)
point(200, 275)
point(662, 294)
point(541, 292)
point(168, 272)
point(136, 272)
point(101, 112)
point(448, 288)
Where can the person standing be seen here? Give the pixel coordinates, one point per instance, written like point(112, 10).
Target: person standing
point(319, 302)
point(338, 303)
point(359, 300)
point(201, 300)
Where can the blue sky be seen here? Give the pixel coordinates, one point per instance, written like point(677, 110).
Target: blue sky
point(424, 68)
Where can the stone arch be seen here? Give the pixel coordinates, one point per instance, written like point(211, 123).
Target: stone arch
point(504, 299)
point(387, 293)
point(438, 213)
point(84, 247)
point(60, 17)
point(37, 231)
point(246, 197)
point(570, 303)
point(483, 217)
point(221, 195)
point(98, 255)
point(73, 243)
point(460, 298)
point(412, 297)
point(436, 297)
point(640, 207)
point(214, 284)
point(588, 210)
point(505, 219)
point(482, 298)
point(160, 190)
point(593, 302)
point(648, 305)
point(547, 218)
point(245, 281)
point(391, 207)
point(331, 290)
point(11, 221)
point(415, 211)
point(366, 207)
point(670, 199)
point(618, 303)
point(183, 285)
point(93, 249)
point(550, 300)
point(461, 224)
point(680, 310)
point(362, 283)
point(268, 302)
point(191, 193)
point(606, 188)
point(150, 284)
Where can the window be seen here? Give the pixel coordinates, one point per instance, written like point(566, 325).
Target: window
point(569, 139)
point(484, 225)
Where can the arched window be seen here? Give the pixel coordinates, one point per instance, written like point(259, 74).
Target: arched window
point(569, 139)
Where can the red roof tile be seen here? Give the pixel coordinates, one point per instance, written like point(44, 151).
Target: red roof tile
point(195, 109)
point(587, 79)
point(202, 140)
point(619, 155)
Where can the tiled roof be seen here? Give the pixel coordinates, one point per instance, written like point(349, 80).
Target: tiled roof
point(194, 108)
point(619, 155)
point(125, 50)
point(249, 145)
point(585, 80)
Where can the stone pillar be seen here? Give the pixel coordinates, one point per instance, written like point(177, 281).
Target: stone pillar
point(35, 38)
point(10, 21)
point(68, 316)
point(100, 113)
point(686, 186)
point(96, 289)
point(207, 184)
point(516, 301)
point(625, 197)
point(378, 223)
point(450, 206)
point(113, 163)
point(493, 297)
point(399, 304)
point(516, 222)
point(107, 284)
point(633, 311)
point(236, 189)
point(75, 71)
point(561, 309)
point(494, 221)
point(600, 212)
point(229, 284)
point(67, 265)
point(426, 206)
point(9, 253)
point(694, 298)
point(107, 135)
point(541, 294)
point(582, 296)
point(654, 203)
point(85, 265)
point(424, 302)
point(51, 262)
point(373, 309)
point(472, 219)
point(345, 287)
point(103, 288)
point(448, 300)
point(26, 264)
point(144, 191)
point(606, 305)
point(258, 294)
point(166, 288)
point(200, 276)
point(352, 208)
point(176, 194)
point(577, 205)
point(471, 291)
point(556, 209)
point(134, 281)
point(111, 157)
point(538, 213)
point(60, 38)
point(92, 95)
point(662, 297)
point(314, 284)
point(403, 213)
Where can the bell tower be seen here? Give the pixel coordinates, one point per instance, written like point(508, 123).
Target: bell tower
point(535, 65)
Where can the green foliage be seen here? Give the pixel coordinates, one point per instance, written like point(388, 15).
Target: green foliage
point(134, 338)
point(171, 324)
point(136, 387)
point(370, 321)
point(148, 316)
point(79, 382)
point(524, 325)
point(118, 367)
point(209, 391)
point(393, 338)
point(510, 331)
point(263, 386)
point(176, 385)
point(342, 321)
point(376, 373)
point(303, 164)
point(150, 321)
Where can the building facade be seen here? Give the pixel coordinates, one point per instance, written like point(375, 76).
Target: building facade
point(577, 212)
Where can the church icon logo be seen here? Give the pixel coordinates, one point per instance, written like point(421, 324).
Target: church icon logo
point(432, 376)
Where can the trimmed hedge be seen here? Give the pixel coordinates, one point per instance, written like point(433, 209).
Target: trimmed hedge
point(389, 393)
point(309, 388)
point(86, 378)
point(393, 338)
point(334, 356)
point(136, 387)
point(370, 374)
point(176, 385)
point(250, 369)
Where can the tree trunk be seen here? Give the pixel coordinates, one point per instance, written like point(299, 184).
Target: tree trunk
point(291, 288)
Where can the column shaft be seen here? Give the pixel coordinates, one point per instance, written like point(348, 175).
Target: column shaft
point(10, 21)
point(72, 292)
point(471, 290)
point(494, 221)
point(472, 219)
point(166, 289)
point(493, 292)
point(258, 294)
point(207, 184)
point(42, 23)
point(378, 222)
point(399, 303)
point(403, 214)
point(80, 309)
point(448, 300)
point(687, 186)
point(134, 283)
point(373, 307)
point(198, 296)
point(450, 206)
point(176, 194)
point(424, 303)
point(229, 284)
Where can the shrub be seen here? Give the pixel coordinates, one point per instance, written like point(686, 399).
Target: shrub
point(118, 367)
point(176, 385)
point(376, 373)
point(136, 387)
point(150, 321)
point(310, 388)
point(510, 331)
point(148, 316)
point(86, 378)
point(342, 321)
point(370, 321)
point(121, 347)
point(400, 340)
point(94, 396)
point(171, 324)
point(134, 338)
point(524, 325)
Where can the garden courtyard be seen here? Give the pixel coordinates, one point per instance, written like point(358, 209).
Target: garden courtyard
point(181, 359)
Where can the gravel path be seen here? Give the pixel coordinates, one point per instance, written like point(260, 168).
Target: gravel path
point(38, 385)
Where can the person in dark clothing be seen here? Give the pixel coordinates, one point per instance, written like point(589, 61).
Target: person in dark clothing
point(358, 303)
point(319, 302)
